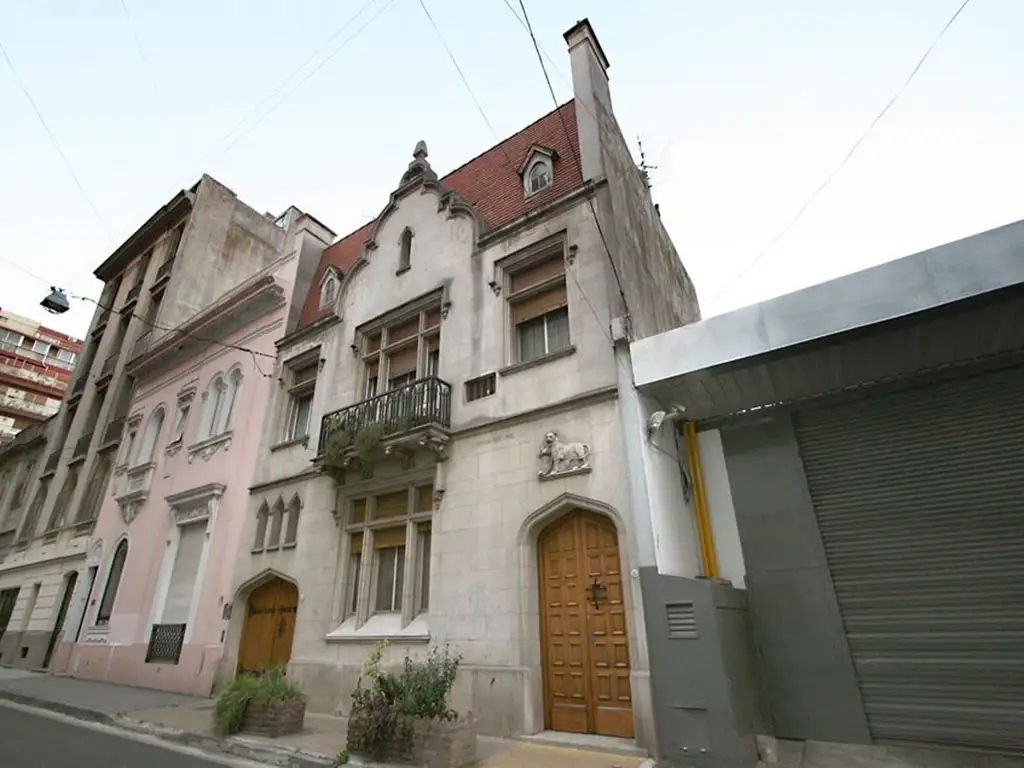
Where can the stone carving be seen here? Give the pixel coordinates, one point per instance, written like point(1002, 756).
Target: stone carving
point(206, 450)
point(419, 165)
point(436, 445)
point(190, 513)
point(558, 458)
point(438, 498)
point(129, 511)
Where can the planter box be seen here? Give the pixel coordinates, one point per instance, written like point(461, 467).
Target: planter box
point(433, 743)
point(274, 718)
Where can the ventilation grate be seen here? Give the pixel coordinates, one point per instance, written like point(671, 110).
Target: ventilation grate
point(682, 621)
point(482, 386)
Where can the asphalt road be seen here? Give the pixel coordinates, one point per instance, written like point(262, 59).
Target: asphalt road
point(31, 741)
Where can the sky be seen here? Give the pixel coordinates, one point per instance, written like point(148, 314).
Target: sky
point(744, 106)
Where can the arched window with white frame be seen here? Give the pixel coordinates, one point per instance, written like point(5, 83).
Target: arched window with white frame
point(149, 436)
point(234, 387)
point(538, 176)
point(328, 290)
point(214, 401)
point(117, 563)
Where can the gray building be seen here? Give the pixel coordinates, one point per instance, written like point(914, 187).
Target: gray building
point(445, 458)
point(855, 465)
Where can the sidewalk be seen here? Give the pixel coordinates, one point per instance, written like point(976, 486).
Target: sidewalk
point(188, 720)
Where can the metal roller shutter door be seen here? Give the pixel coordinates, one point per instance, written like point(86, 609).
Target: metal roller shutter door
point(919, 497)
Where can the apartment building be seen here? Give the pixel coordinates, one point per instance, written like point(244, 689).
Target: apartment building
point(167, 274)
point(35, 368)
point(161, 556)
point(445, 458)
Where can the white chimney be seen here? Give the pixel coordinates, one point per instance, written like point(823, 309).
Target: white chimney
point(593, 97)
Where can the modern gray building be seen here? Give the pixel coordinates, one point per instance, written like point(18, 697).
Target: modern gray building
point(856, 481)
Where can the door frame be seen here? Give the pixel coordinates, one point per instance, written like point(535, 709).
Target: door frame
point(262, 582)
point(70, 582)
point(536, 714)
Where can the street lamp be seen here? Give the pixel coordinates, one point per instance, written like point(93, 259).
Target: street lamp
point(56, 303)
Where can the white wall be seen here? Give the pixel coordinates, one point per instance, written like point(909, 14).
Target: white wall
point(720, 508)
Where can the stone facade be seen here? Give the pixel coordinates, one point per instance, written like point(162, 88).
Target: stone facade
point(509, 445)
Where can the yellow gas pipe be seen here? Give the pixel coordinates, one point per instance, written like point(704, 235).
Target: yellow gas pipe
point(700, 501)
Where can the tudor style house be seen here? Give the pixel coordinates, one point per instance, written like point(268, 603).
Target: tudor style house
point(444, 457)
point(161, 556)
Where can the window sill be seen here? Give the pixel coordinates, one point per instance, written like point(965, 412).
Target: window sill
point(98, 629)
point(304, 441)
point(386, 626)
point(206, 448)
point(289, 545)
point(517, 367)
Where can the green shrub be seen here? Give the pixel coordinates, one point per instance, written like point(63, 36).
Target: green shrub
point(272, 685)
point(385, 707)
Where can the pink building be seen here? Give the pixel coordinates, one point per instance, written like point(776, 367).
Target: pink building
point(159, 566)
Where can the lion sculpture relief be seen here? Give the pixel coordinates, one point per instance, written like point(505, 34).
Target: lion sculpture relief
point(558, 458)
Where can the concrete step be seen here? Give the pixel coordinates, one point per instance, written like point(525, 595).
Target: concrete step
point(609, 744)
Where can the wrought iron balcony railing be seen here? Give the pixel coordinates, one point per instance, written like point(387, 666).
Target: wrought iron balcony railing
point(80, 382)
point(419, 403)
point(133, 293)
point(101, 322)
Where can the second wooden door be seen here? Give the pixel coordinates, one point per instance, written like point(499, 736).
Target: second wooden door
point(269, 627)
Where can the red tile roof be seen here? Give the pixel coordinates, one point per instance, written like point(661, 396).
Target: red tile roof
point(486, 181)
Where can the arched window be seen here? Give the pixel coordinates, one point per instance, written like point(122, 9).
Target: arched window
point(261, 527)
point(113, 582)
point(149, 437)
point(233, 387)
point(214, 402)
point(291, 530)
point(328, 291)
point(538, 177)
point(405, 250)
point(276, 521)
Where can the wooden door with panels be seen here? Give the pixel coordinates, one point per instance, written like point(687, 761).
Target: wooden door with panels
point(584, 641)
point(269, 627)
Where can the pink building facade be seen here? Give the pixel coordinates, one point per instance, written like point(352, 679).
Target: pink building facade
point(161, 558)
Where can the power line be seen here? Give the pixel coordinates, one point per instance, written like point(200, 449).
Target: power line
point(150, 323)
point(856, 145)
point(575, 154)
point(56, 144)
point(138, 45)
point(465, 82)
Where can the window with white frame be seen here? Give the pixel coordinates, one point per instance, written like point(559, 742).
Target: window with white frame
point(328, 289)
point(149, 436)
point(388, 565)
point(539, 176)
point(219, 403)
point(539, 307)
point(301, 377)
point(180, 422)
point(117, 564)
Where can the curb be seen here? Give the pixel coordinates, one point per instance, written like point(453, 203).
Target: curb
point(236, 746)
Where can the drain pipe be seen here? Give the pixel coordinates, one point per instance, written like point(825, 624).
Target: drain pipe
point(700, 501)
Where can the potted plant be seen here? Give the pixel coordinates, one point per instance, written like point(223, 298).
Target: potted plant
point(407, 717)
point(268, 704)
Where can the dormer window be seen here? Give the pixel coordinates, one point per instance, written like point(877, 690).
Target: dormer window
point(538, 178)
point(538, 170)
point(328, 289)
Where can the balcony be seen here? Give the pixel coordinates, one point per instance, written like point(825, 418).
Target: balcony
point(52, 462)
point(107, 371)
point(82, 447)
point(136, 491)
point(141, 345)
point(79, 386)
point(396, 424)
point(112, 434)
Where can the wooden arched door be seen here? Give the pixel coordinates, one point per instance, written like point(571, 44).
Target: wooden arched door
point(269, 627)
point(584, 642)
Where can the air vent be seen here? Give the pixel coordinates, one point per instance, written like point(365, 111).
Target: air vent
point(682, 621)
point(481, 386)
